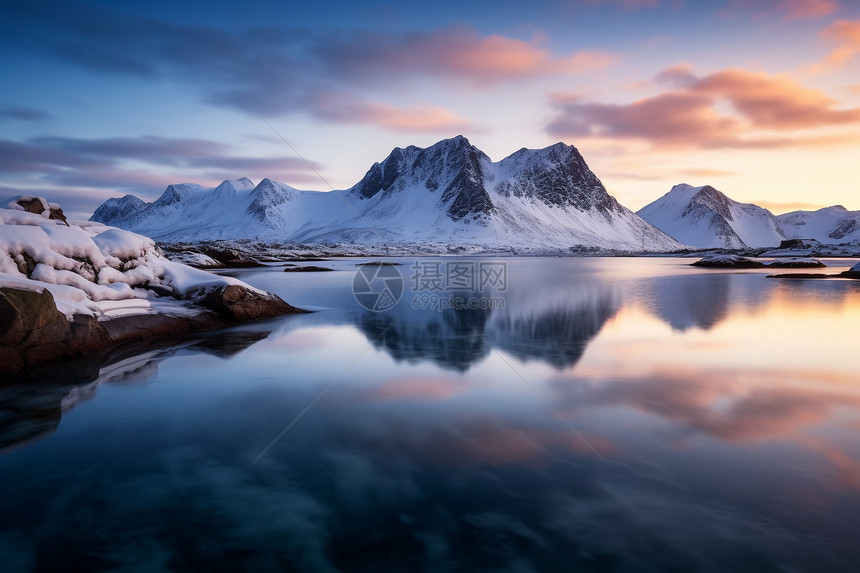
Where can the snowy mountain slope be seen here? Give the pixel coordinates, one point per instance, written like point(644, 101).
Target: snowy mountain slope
point(706, 218)
point(834, 224)
point(117, 209)
point(449, 193)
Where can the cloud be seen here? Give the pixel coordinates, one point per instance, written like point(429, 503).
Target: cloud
point(728, 109)
point(415, 119)
point(778, 207)
point(706, 172)
point(141, 165)
point(23, 113)
point(276, 71)
point(677, 76)
point(454, 53)
point(800, 9)
point(846, 33)
point(788, 9)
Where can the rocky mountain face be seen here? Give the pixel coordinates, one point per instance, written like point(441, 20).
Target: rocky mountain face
point(834, 224)
point(450, 194)
point(118, 209)
point(703, 217)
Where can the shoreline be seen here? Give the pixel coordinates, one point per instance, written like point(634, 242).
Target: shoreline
point(35, 333)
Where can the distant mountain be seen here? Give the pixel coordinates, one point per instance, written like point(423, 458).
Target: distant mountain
point(118, 209)
point(448, 194)
point(706, 218)
point(834, 224)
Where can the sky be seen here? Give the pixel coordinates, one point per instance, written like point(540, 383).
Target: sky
point(760, 99)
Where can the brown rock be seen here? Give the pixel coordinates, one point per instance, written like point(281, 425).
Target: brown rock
point(241, 304)
point(231, 258)
point(25, 314)
point(33, 332)
point(307, 269)
point(35, 205)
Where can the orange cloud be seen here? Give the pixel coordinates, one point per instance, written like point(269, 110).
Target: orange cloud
point(764, 111)
point(706, 172)
point(777, 207)
point(796, 9)
point(421, 118)
point(775, 102)
point(847, 34)
point(497, 57)
point(454, 52)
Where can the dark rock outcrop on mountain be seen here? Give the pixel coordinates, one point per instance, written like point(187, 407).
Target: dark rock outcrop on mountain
point(449, 194)
point(704, 217)
point(118, 209)
point(557, 175)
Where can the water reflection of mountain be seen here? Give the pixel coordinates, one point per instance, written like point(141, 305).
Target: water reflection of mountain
point(684, 302)
point(33, 407)
point(554, 329)
point(704, 300)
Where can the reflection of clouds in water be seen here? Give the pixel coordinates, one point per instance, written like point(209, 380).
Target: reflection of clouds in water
point(729, 404)
point(354, 488)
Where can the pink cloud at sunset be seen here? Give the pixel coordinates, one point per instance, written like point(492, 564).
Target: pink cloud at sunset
point(456, 52)
point(847, 35)
point(763, 107)
point(419, 118)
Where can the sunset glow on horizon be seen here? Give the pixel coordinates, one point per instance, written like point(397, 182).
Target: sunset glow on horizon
point(759, 99)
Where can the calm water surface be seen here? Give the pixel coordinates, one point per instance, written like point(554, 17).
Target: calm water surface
point(615, 415)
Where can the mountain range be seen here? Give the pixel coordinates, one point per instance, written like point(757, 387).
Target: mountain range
point(704, 217)
point(452, 195)
point(447, 194)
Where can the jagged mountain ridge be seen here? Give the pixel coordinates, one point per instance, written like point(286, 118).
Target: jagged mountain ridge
point(834, 224)
point(704, 217)
point(448, 193)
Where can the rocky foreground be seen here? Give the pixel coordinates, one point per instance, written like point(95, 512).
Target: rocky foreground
point(71, 289)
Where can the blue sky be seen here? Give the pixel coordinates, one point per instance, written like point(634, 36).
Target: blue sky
point(760, 99)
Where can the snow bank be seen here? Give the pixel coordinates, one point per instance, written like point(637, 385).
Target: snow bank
point(96, 270)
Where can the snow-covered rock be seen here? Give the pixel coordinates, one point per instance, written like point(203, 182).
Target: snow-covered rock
point(703, 217)
point(450, 193)
point(833, 225)
point(63, 282)
point(728, 262)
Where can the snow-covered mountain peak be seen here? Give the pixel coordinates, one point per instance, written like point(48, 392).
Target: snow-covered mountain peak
point(118, 209)
point(449, 193)
point(556, 175)
point(705, 217)
point(176, 193)
point(716, 201)
point(834, 224)
point(227, 190)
